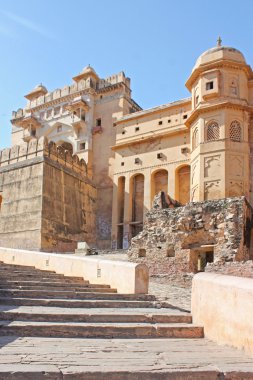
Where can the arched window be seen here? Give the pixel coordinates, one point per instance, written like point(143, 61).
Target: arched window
point(212, 131)
point(235, 131)
point(195, 138)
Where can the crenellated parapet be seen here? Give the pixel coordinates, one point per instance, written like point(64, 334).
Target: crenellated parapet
point(42, 148)
point(74, 89)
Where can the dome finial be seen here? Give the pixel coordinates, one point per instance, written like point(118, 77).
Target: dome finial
point(219, 41)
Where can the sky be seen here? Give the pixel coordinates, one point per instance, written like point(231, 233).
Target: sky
point(155, 42)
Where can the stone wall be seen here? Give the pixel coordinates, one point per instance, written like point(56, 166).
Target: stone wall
point(48, 203)
point(176, 240)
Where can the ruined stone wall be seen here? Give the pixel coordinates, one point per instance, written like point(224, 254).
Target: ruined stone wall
point(172, 239)
point(48, 203)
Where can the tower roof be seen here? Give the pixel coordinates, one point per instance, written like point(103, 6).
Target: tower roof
point(219, 52)
point(36, 92)
point(86, 72)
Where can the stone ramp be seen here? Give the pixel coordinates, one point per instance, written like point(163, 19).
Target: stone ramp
point(120, 359)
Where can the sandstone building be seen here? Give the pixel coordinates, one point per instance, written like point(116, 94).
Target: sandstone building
point(195, 149)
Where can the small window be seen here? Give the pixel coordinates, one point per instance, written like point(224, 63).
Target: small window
point(160, 122)
point(137, 129)
point(169, 121)
point(142, 252)
point(122, 163)
point(197, 100)
point(212, 132)
point(159, 156)
point(185, 117)
point(98, 122)
point(49, 113)
point(57, 111)
point(33, 132)
point(209, 86)
point(123, 132)
point(82, 146)
point(235, 131)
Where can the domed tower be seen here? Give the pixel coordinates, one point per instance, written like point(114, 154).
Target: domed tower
point(219, 123)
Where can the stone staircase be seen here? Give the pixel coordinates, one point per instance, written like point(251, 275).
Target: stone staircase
point(46, 320)
point(46, 304)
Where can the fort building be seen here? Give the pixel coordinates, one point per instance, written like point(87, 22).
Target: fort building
point(195, 149)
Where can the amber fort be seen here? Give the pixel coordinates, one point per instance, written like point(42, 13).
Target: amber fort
point(126, 234)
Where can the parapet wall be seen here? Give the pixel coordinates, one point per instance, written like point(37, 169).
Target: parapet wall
point(41, 148)
point(223, 306)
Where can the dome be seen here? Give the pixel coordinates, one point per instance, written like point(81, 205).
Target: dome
point(217, 53)
point(36, 92)
point(86, 72)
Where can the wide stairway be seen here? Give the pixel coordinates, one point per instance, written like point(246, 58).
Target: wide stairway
point(46, 319)
point(46, 304)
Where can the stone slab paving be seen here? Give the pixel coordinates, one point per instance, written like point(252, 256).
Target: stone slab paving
point(172, 294)
point(59, 358)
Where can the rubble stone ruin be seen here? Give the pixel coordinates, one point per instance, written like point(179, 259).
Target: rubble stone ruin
point(187, 238)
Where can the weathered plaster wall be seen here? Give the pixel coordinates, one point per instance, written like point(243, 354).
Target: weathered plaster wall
point(173, 239)
point(48, 203)
point(20, 214)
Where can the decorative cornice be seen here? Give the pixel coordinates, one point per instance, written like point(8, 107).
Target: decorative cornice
point(217, 64)
point(204, 109)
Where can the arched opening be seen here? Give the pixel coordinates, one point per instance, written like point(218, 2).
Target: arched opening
point(137, 198)
point(121, 202)
point(65, 146)
point(183, 184)
point(159, 182)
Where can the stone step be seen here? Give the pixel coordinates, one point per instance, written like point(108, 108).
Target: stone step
point(100, 330)
point(64, 284)
point(79, 303)
point(66, 294)
point(32, 358)
point(69, 288)
point(54, 314)
point(50, 276)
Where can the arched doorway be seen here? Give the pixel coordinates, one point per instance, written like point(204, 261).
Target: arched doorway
point(159, 182)
point(65, 146)
point(183, 184)
point(137, 197)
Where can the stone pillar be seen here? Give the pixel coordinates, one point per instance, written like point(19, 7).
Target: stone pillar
point(127, 213)
point(147, 194)
point(172, 182)
point(115, 213)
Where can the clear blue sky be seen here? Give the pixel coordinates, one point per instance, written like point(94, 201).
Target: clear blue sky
point(155, 42)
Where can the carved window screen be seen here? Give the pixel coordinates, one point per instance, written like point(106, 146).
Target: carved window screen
point(235, 131)
point(212, 132)
point(195, 138)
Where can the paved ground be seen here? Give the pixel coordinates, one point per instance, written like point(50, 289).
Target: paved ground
point(162, 289)
point(174, 295)
point(107, 356)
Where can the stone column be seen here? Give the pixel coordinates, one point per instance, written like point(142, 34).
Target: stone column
point(147, 193)
point(171, 181)
point(127, 213)
point(115, 213)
